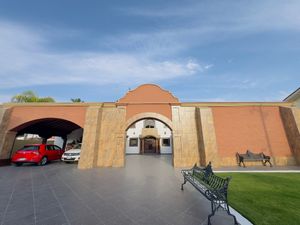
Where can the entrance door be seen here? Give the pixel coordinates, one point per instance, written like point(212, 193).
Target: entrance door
point(150, 145)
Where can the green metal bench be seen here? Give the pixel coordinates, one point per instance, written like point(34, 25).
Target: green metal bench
point(253, 157)
point(214, 188)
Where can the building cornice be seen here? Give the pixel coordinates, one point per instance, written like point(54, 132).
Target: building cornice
point(207, 104)
point(115, 104)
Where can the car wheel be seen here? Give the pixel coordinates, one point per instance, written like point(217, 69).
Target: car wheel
point(18, 164)
point(43, 161)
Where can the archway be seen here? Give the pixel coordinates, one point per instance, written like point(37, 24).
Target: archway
point(148, 136)
point(51, 130)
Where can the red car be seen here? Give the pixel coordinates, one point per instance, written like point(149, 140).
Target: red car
point(37, 153)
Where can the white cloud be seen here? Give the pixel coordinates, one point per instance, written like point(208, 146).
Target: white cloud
point(25, 60)
point(208, 66)
point(229, 14)
point(201, 22)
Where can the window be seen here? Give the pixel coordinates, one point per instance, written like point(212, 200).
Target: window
point(149, 124)
point(133, 142)
point(30, 148)
point(166, 142)
point(56, 147)
point(49, 147)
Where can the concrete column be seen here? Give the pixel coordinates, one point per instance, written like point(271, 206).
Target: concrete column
point(142, 150)
point(65, 139)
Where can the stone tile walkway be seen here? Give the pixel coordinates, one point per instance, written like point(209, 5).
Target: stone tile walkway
point(146, 191)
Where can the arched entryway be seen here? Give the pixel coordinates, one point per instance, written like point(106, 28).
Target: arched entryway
point(149, 145)
point(148, 136)
point(47, 130)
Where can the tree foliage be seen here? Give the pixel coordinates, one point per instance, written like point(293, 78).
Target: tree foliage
point(76, 100)
point(30, 96)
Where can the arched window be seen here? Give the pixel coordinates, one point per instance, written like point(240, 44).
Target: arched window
point(149, 123)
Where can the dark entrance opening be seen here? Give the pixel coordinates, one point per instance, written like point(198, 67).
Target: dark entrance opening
point(150, 145)
point(45, 128)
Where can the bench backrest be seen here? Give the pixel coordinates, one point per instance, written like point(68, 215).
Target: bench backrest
point(217, 185)
point(251, 155)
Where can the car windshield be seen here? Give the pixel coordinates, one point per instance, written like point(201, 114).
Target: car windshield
point(30, 148)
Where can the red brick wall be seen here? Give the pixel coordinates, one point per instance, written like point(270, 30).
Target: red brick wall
point(259, 129)
point(163, 109)
point(25, 114)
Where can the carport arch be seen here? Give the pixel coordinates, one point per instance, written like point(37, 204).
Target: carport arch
point(21, 114)
point(45, 128)
point(51, 123)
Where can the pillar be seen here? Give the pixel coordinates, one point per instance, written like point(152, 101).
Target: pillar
point(185, 137)
point(7, 145)
point(112, 137)
point(90, 142)
point(291, 122)
point(142, 150)
point(7, 137)
point(207, 137)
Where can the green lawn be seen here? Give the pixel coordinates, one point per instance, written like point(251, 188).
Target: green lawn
point(266, 198)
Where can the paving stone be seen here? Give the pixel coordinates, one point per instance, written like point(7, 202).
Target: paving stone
point(146, 191)
point(56, 219)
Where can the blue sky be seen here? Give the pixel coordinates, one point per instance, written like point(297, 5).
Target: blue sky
point(198, 50)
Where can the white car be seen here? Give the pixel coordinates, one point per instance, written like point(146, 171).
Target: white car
point(72, 155)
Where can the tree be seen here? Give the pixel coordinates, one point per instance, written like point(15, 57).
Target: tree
point(76, 100)
point(30, 96)
point(46, 99)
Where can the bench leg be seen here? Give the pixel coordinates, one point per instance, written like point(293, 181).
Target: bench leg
point(268, 162)
point(229, 213)
point(213, 209)
point(244, 164)
point(184, 182)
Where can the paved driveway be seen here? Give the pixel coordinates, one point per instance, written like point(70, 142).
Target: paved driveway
point(146, 191)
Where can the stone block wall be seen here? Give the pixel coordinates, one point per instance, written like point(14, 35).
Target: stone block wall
point(103, 137)
point(90, 142)
point(6, 137)
point(185, 137)
point(291, 119)
point(112, 138)
point(195, 137)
